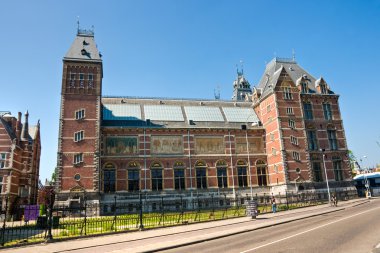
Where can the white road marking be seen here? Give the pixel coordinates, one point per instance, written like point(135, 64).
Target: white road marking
point(304, 232)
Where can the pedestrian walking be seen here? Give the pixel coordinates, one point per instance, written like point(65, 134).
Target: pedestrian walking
point(274, 205)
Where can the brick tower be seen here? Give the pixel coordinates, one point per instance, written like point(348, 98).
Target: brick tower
point(79, 125)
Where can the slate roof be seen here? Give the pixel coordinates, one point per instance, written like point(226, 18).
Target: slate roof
point(83, 48)
point(273, 71)
point(176, 113)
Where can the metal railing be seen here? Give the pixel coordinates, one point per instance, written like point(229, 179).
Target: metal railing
point(140, 213)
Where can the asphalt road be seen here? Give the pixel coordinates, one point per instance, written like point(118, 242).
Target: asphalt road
point(355, 230)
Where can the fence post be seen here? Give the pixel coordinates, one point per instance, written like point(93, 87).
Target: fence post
point(114, 212)
point(4, 222)
point(287, 203)
point(141, 227)
point(50, 220)
point(85, 215)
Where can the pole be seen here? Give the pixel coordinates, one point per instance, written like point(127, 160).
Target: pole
point(141, 227)
point(5, 221)
point(50, 223)
point(232, 166)
point(249, 162)
point(327, 180)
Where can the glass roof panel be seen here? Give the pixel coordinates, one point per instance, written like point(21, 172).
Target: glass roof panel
point(236, 114)
point(204, 113)
point(121, 112)
point(163, 112)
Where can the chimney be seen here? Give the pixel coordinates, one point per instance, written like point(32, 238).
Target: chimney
point(25, 128)
point(18, 126)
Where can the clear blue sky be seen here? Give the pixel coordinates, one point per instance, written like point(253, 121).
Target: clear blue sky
point(187, 48)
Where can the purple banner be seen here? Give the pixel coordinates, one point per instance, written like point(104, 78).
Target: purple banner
point(31, 212)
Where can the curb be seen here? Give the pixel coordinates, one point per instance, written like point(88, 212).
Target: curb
point(240, 232)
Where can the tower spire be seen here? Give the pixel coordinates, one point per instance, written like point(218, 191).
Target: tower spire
point(78, 27)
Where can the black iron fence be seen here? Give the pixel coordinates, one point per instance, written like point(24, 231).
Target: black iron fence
point(88, 218)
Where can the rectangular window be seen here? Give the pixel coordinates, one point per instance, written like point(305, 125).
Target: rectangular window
point(323, 89)
point(79, 136)
point(338, 172)
point(156, 180)
point(268, 108)
point(90, 77)
point(109, 181)
point(201, 178)
point(327, 111)
point(292, 124)
point(317, 172)
point(331, 134)
point(133, 180)
point(222, 177)
point(271, 136)
point(81, 76)
point(274, 151)
point(296, 156)
point(80, 114)
point(308, 110)
point(78, 158)
point(3, 157)
point(312, 140)
point(179, 179)
point(242, 176)
point(289, 111)
point(294, 140)
point(72, 76)
point(287, 93)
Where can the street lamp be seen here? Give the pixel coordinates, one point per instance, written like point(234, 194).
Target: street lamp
point(249, 161)
point(327, 180)
point(366, 183)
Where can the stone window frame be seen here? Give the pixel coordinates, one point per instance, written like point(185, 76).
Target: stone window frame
point(294, 140)
point(201, 166)
point(327, 112)
point(109, 166)
point(222, 165)
point(179, 166)
point(78, 159)
point(80, 114)
point(242, 178)
point(296, 156)
point(289, 111)
point(3, 159)
point(79, 136)
point(287, 93)
point(262, 173)
point(154, 167)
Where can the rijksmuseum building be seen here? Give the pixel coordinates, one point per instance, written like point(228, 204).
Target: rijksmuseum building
point(281, 135)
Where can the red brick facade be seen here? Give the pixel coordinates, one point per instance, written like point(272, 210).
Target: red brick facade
point(20, 150)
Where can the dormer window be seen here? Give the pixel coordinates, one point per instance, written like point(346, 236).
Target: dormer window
point(304, 88)
point(323, 89)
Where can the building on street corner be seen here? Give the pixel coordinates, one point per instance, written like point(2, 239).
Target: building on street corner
point(269, 139)
point(20, 150)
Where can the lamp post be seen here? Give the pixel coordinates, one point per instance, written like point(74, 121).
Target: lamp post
point(366, 183)
point(327, 180)
point(249, 161)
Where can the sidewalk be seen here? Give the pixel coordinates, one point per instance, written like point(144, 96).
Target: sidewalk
point(187, 234)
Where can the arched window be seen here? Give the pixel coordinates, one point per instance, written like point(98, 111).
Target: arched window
point(262, 173)
point(179, 176)
point(109, 178)
point(221, 170)
point(156, 176)
point(242, 173)
point(133, 176)
point(201, 174)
